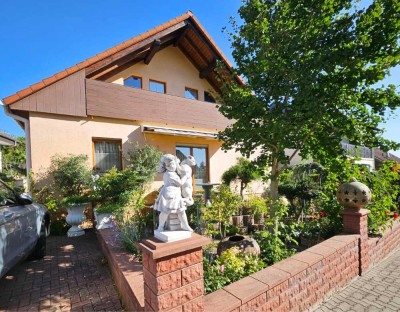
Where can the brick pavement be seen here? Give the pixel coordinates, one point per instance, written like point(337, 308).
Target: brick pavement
point(73, 276)
point(377, 290)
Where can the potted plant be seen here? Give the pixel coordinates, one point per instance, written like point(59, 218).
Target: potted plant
point(224, 205)
point(258, 207)
point(108, 190)
point(73, 181)
point(103, 214)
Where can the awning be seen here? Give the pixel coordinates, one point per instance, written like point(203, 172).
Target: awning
point(179, 132)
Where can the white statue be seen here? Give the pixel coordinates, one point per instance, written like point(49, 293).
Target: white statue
point(185, 172)
point(170, 199)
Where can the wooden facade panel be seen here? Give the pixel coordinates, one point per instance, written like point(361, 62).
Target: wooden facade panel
point(66, 97)
point(116, 101)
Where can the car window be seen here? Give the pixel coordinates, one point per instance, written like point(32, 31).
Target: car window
point(7, 196)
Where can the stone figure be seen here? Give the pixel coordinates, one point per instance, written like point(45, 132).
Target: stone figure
point(185, 172)
point(170, 199)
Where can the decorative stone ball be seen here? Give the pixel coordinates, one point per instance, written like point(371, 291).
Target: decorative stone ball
point(244, 243)
point(353, 194)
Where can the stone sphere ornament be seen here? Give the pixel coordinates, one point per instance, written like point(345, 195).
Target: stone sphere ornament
point(353, 194)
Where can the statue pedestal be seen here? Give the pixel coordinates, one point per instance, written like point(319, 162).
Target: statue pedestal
point(173, 274)
point(172, 236)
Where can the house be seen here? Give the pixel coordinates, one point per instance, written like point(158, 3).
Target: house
point(361, 155)
point(6, 140)
point(380, 156)
point(158, 88)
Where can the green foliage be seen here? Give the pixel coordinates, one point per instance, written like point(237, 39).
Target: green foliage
point(311, 70)
point(318, 226)
point(301, 184)
point(135, 222)
point(71, 175)
point(14, 159)
point(383, 183)
point(143, 161)
point(224, 205)
point(110, 186)
point(273, 248)
point(230, 267)
point(107, 207)
point(277, 244)
point(244, 171)
point(257, 205)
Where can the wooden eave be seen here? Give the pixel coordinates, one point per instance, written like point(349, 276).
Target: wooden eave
point(184, 32)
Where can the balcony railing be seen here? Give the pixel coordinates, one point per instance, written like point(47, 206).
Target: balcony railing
point(115, 101)
point(357, 151)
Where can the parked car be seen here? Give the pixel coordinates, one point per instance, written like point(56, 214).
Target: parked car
point(24, 226)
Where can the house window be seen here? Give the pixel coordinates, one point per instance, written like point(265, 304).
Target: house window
point(134, 82)
point(157, 86)
point(107, 153)
point(192, 94)
point(201, 170)
point(208, 97)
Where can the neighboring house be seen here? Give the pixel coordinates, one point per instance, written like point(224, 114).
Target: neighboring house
point(380, 156)
point(6, 140)
point(157, 88)
point(364, 155)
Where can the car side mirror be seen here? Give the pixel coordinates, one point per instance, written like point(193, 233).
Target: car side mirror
point(25, 199)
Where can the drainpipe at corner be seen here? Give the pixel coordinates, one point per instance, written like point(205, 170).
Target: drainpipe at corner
point(8, 112)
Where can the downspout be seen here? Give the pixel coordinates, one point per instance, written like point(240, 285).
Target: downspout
point(8, 112)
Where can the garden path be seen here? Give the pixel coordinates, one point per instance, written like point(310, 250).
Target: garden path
point(72, 276)
point(378, 290)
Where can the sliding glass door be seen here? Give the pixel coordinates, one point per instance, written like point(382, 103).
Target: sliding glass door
point(200, 171)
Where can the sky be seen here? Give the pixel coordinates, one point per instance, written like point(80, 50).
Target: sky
point(41, 38)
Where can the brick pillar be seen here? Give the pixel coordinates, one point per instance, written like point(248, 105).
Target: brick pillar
point(173, 274)
point(356, 222)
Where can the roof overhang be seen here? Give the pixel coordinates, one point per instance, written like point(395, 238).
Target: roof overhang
point(179, 132)
point(8, 140)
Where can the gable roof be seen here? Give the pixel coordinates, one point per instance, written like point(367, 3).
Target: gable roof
point(184, 31)
point(382, 156)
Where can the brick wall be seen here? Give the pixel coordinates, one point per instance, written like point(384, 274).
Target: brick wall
point(294, 284)
point(380, 247)
point(305, 279)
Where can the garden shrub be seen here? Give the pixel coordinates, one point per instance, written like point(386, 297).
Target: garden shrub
point(230, 267)
point(384, 186)
point(224, 204)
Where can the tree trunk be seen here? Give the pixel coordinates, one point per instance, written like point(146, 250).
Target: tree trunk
point(274, 192)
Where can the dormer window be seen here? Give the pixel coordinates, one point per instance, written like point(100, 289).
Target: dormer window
point(192, 94)
point(133, 82)
point(157, 86)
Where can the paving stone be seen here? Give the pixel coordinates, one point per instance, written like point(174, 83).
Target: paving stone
point(71, 277)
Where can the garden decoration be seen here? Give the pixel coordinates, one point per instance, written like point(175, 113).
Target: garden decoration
point(244, 243)
point(74, 218)
point(353, 194)
point(174, 198)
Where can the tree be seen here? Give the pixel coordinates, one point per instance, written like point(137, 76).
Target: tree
point(244, 171)
point(311, 69)
point(14, 158)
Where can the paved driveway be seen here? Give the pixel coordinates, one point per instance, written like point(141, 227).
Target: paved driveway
point(72, 277)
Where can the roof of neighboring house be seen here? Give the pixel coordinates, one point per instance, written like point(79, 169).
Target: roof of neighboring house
point(184, 31)
point(7, 139)
point(382, 156)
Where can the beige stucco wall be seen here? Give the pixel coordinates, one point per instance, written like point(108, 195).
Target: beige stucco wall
point(171, 66)
point(55, 134)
